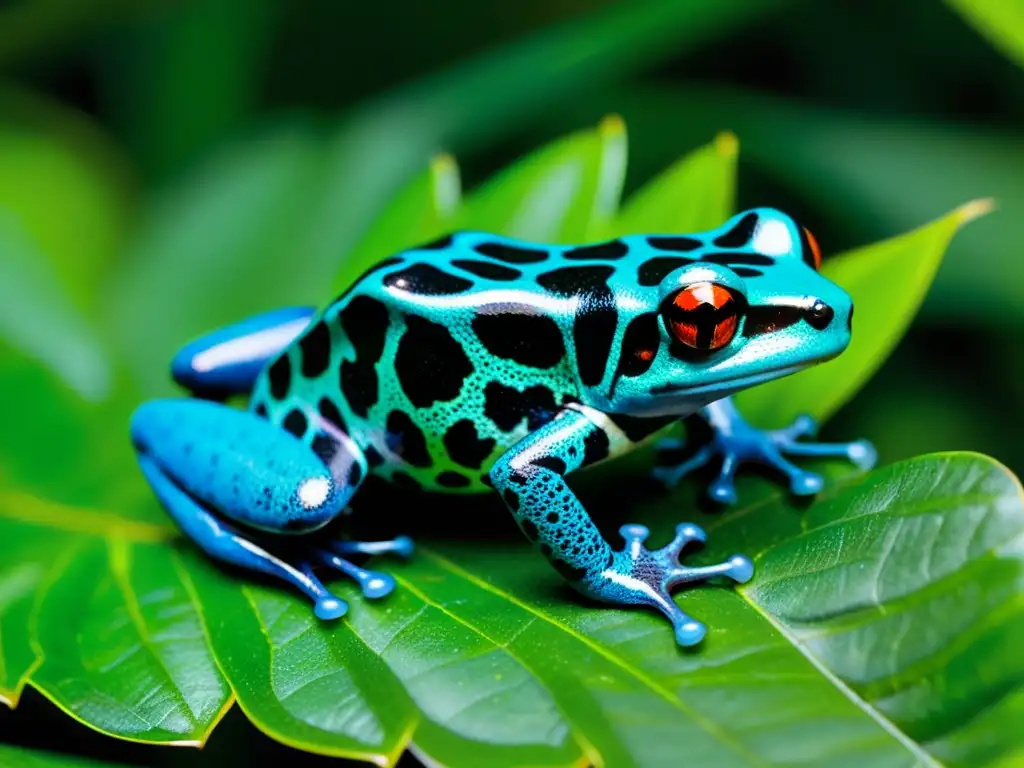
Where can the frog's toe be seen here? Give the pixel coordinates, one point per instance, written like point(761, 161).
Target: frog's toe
point(670, 476)
point(860, 453)
point(330, 607)
point(863, 454)
point(400, 545)
point(373, 584)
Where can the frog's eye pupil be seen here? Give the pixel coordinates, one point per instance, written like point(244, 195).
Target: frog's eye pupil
point(703, 316)
point(815, 250)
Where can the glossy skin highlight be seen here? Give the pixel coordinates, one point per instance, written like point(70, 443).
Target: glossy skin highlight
point(479, 363)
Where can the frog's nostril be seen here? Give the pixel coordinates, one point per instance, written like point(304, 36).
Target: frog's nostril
point(820, 315)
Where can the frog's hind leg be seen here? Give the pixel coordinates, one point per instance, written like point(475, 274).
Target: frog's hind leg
point(736, 442)
point(227, 361)
point(222, 542)
point(206, 461)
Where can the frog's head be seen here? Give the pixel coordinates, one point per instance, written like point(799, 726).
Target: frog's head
point(748, 307)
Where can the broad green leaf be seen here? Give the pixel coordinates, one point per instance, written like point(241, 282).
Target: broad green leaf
point(236, 222)
point(566, 192)
point(20, 757)
point(887, 282)
point(39, 319)
point(423, 210)
point(491, 96)
point(65, 188)
point(693, 195)
point(308, 686)
point(1001, 21)
point(185, 76)
point(122, 646)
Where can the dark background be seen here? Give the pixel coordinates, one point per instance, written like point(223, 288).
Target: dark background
point(863, 118)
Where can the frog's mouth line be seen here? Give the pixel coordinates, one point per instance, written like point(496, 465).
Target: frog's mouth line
point(724, 385)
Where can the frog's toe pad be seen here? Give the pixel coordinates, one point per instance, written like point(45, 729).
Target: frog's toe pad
point(330, 608)
point(373, 584)
point(640, 576)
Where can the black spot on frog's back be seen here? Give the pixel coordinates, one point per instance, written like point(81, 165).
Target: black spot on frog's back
point(610, 251)
point(426, 280)
point(512, 254)
point(430, 364)
point(533, 340)
point(740, 234)
point(568, 281)
point(405, 439)
point(596, 317)
point(465, 446)
point(315, 350)
point(280, 376)
point(365, 323)
point(656, 269)
point(507, 406)
point(488, 269)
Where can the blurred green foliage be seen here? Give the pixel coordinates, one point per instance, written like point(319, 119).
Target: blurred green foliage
point(141, 140)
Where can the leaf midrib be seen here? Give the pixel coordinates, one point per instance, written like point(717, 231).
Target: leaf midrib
point(586, 748)
point(708, 726)
point(887, 725)
point(72, 519)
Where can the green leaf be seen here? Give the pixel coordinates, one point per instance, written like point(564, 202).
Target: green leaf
point(1000, 21)
point(55, 166)
point(566, 192)
point(423, 210)
point(26, 758)
point(477, 633)
point(240, 222)
point(693, 195)
point(888, 282)
point(38, 318)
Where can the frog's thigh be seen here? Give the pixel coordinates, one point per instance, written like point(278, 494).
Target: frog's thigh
point(228, 360)
point(245, 468)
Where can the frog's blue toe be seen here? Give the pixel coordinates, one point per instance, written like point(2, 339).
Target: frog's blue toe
point(373, 584)
point(736, 442)
point(741, 569)
point(400, 545)
point(646, 577)
point(690, 633)
point(329, 608)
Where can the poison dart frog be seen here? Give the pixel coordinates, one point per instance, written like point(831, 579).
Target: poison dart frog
point(480, 363)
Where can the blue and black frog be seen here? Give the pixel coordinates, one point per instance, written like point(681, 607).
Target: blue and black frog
point(483, 364)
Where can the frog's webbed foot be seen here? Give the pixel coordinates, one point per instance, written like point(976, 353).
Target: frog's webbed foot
point(640, 576)
point(736, 442)
point(373, 584)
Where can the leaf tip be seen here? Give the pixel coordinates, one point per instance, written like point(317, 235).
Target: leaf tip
point(727, 144)
point(612, 125)
point(444, 163)
point(975, 209)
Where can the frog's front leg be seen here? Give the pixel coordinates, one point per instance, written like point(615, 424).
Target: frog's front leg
point(204, 460)
point(530, 477)
point(735, 442)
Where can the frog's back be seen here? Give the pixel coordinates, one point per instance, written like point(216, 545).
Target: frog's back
point(440, 358)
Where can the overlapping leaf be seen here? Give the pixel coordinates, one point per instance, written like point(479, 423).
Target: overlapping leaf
point(851, 647)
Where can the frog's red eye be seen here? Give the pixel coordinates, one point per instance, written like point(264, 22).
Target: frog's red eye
point(703, 316)
point(812, 253)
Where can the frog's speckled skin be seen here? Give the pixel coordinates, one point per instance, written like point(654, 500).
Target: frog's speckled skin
point(479, 361)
